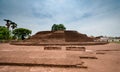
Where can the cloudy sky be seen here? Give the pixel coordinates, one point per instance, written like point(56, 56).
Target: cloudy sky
point(91, 17)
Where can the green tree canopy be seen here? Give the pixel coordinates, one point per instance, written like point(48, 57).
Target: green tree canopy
point(4, 33)
point(10, 23)
point(13, 25)
point(57, 27)
point(21, 33)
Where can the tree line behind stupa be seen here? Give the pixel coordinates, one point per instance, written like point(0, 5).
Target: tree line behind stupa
point(11, 31)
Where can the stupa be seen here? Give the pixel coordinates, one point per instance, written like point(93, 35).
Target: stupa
point(59, 36)
point(67, 37)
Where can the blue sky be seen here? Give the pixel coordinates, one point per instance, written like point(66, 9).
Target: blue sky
point(91, 17)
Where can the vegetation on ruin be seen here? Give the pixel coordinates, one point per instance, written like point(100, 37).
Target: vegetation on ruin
point(57, 27)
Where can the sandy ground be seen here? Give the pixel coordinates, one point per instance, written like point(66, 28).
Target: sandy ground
point(108, 60)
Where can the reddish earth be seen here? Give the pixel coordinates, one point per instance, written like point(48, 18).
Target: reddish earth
point(108, 58)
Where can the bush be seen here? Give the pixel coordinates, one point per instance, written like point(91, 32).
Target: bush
point(56, 27)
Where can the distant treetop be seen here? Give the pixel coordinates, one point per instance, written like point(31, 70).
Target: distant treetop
point(57, 27)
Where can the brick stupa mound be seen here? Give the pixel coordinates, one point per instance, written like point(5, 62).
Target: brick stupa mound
point(58, 37)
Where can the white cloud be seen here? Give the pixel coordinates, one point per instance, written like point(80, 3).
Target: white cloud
point(86, 16)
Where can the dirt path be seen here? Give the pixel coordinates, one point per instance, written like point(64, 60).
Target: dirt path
point(108, 60)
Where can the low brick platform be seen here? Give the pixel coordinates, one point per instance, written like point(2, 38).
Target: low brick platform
point(58, 58)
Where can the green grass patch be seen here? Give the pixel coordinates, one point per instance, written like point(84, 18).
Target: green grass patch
point(115, 42)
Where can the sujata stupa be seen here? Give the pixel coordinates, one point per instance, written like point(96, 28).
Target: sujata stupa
point(67, 37)
point(59, 36)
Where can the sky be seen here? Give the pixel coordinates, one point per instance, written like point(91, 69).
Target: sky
point(91, 17)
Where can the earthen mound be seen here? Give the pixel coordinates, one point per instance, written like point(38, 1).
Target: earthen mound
point(59, 36)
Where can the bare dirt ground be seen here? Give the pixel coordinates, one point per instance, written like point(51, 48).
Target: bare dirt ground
point(108, 58)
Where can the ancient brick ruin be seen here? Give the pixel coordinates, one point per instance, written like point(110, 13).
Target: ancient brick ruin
point(60, 36)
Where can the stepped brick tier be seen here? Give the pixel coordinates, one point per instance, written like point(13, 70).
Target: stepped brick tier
point(59, 38)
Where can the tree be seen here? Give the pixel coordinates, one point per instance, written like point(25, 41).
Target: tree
point(8, 23)
point(56, 27)
point(21, 33)
point(14, 25)
point(4, 33)
point(61, 27)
